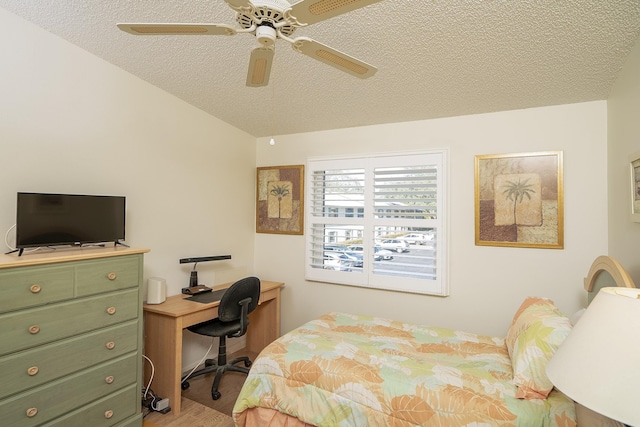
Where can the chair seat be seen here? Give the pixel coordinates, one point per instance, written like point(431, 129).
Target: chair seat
point(216, 328)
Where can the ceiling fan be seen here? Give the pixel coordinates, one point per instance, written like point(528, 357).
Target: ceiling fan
point(269, 20)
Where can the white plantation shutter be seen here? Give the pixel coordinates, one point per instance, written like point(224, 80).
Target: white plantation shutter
point(373, 202)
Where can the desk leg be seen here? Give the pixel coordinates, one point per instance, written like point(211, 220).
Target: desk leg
point(264, 326)
point(163, 345)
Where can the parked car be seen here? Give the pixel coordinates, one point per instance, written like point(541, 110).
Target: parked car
point(355, 257)
point(397, 245)
point(384, 253)
point(379, 254)
point(415, 238)
point(334, 248)
point(359, 249)
point(334, 260)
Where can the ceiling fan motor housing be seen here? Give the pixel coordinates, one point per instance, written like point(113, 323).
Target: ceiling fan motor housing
point(266, 12)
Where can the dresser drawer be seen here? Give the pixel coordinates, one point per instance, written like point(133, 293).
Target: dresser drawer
point(32, 286)
point(31, 368)
point(106, 412)
point(93, 277)
point(59, 397)
point(37, 326)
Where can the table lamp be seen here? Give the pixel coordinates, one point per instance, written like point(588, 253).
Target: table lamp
point(598, 364)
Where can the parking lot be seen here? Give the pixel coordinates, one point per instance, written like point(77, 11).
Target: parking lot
point(419, 262)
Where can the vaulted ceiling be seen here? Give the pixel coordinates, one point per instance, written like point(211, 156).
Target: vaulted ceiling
point(435, 58)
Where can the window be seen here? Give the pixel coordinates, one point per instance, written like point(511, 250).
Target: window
point(396, 239)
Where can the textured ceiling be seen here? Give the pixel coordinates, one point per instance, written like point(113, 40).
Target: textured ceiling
point(435, 58)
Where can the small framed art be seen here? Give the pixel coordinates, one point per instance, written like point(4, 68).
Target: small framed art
point(519, 200)
point(280, 199)
point(634, 168)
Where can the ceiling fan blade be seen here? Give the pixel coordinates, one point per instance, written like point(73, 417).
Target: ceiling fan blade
point(239, 4)
point(333, 57)
point(307, 12)
point(178, 29)
point(260, 66)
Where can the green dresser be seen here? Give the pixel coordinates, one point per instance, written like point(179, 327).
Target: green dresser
point(71, 338)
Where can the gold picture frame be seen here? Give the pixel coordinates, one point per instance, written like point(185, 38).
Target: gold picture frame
point(519, 200)
point(280, 199)
point(634, 169)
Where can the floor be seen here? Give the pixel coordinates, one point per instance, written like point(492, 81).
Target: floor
point(200, 391)
point(193, 415)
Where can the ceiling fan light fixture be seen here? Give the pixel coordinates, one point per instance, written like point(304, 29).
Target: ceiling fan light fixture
point(266, 35)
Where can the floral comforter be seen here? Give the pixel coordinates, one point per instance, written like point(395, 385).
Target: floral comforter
point(350, 370)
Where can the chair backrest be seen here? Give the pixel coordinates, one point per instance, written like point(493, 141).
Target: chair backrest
point(230, 308)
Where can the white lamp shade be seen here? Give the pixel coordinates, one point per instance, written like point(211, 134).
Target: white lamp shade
point(598, 364)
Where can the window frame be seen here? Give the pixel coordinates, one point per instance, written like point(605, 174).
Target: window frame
point(366, 278)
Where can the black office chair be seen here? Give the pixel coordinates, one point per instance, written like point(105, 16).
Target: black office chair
point(236, 303)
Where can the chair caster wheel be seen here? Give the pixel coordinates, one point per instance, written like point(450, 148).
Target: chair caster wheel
point(247, 363)
point(215, 395)
point(209, 362)
point(184, 385)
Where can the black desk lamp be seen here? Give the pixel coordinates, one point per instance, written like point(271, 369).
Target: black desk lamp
point(194, 287)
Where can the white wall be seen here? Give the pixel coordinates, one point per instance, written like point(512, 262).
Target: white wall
point(624, 139)
point(487, 284)
point(72, 123)
point(69, 122)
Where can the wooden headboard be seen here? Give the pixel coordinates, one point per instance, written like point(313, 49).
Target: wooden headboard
point(604, 272)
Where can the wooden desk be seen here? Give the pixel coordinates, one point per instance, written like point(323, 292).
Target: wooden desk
point(163, 325)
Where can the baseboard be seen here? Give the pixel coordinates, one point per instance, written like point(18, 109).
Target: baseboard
point(236, 344)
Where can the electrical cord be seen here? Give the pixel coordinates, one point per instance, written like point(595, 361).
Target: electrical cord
point(149, 398)
point(186, 377)
point(153, 372)
point(6, 240)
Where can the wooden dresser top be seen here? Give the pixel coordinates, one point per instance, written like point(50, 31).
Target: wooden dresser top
point(49, 256)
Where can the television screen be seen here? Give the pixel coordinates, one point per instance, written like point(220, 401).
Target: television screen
point(68, 219)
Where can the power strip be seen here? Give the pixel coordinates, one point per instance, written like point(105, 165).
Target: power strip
point(162, 406)
point(154, 403)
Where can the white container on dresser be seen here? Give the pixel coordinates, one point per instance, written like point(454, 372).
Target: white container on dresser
point(71, 338)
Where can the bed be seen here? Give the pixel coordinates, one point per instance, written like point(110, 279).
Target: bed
point(344, 369)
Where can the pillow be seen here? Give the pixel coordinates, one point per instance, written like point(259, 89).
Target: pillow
point(537, 330)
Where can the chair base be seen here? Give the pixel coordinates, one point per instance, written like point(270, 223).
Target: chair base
point(211, 365)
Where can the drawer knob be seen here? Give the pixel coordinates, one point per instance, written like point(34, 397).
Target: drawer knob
point(110, 345)
point(111, 310)
point(34, 329)
point(109, 379)
point(35, 289)
point(108, 414)
point(32, 412)
point(32, 371)
point(112, 276)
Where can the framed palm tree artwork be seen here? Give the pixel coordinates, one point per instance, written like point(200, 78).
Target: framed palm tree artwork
point(634, 162)
point(519, 200)
point(280, 199)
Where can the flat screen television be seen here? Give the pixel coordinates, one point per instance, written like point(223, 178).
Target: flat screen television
point(44, 219)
